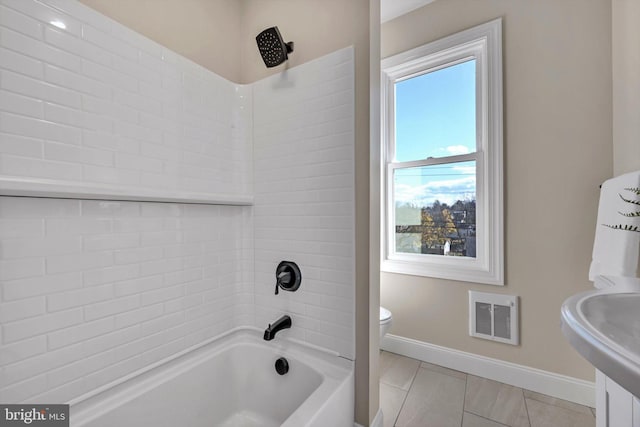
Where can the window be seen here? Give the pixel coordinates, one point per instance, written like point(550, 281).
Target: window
point(442, 130)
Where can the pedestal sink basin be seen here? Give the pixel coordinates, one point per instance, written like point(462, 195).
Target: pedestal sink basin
point(604, 327)
point(616, 316)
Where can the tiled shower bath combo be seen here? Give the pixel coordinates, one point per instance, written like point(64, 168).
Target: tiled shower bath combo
point(147, 203)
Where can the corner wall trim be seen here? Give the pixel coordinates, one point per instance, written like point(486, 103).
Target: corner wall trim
point(549, 383)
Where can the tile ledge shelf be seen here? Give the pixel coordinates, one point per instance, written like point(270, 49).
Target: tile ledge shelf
point(59, 189)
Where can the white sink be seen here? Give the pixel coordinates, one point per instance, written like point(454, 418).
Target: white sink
point(604, 327)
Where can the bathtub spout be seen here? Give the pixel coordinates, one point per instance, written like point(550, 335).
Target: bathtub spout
point(282, 323)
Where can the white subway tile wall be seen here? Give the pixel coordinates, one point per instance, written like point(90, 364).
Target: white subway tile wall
point(93, 290)
point(304, 199)
point(95, 102)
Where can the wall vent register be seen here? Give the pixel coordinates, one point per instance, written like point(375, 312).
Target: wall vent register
point(494, 317)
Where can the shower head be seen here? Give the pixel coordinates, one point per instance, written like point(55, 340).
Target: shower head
point(273, 49)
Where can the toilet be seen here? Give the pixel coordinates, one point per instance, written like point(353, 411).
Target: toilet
point(385, 321)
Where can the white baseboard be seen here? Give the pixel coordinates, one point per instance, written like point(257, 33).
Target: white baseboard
point(549, 383)
point(378, 420)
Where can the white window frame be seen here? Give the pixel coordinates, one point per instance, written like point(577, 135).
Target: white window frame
point(484, 44)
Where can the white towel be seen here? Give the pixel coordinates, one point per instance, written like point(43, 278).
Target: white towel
point(616, 252)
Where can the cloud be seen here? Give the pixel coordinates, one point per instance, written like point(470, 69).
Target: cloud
point(464, 170)
point(455, 150)
point(446, 191)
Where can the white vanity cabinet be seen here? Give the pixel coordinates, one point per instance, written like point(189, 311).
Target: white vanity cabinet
point(615, 406)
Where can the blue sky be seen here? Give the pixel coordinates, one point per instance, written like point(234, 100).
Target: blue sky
point(435, 117)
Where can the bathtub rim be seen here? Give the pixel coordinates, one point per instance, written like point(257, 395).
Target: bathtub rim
point(334, 370)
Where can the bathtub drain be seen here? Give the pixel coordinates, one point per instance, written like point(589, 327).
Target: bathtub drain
point(282, 366)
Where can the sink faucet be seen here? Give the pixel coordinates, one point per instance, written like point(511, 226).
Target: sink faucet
point(282, 323)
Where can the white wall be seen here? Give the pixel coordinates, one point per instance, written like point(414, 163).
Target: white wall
point(98, 103)
point(93, 290)
point(304, 192)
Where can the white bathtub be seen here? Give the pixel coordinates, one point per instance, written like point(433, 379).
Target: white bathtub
point(230, 382)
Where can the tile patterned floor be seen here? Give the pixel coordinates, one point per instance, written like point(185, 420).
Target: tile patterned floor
point(419, 394)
